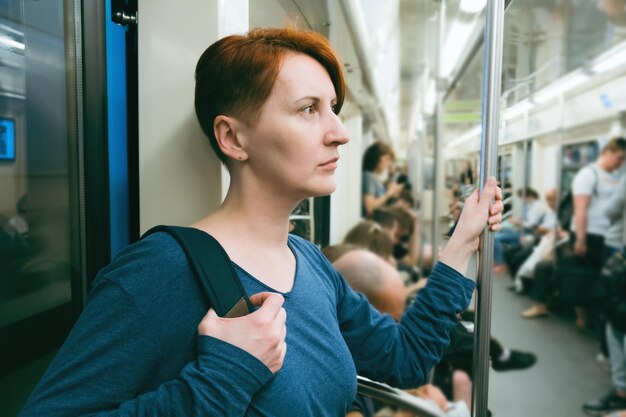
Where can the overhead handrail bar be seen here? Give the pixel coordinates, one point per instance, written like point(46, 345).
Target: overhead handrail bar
point(492, 76)
point(393, 396)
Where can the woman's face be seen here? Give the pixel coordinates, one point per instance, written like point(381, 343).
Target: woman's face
point(294, 145)
point(383, 163)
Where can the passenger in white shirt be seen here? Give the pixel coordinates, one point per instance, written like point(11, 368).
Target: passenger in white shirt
point(534, 211)
point(592, 189)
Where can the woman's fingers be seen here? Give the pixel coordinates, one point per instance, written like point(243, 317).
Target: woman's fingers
point(489, 194)
point(496, 207)
point(495, 219)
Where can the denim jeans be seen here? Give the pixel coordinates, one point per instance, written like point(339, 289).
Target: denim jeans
point(615, 342)
point(501, 239)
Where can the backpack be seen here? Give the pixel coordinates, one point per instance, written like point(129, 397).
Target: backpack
point(610, 290)
point(213, 268)
point(565, 211)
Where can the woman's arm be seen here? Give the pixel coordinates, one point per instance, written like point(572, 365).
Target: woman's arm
point(403, 354)
point(372, 203)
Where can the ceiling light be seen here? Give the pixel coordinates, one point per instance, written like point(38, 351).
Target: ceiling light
point(456, 43)
point(473, 6)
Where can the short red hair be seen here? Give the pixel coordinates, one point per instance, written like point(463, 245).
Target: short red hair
point(235, 75)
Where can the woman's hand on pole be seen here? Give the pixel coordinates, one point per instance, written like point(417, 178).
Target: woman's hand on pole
point(477, 214)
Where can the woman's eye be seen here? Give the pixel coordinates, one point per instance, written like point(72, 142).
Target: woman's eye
point(334, 108)
point(309, 109)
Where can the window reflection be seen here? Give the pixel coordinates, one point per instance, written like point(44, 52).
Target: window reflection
point(35, 271)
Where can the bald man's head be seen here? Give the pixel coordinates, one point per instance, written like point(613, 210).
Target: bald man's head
point(375, 278)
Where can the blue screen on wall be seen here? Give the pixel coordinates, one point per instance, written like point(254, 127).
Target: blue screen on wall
point(7, 139)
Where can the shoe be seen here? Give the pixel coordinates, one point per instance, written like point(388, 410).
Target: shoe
point(604, 361)
point(517, 361)
point(515, 288)
point(535, 312)
point(610, 402)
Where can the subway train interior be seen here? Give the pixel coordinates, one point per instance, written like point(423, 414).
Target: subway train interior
point(95, 94)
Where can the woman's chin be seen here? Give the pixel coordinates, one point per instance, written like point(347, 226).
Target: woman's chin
point(322, 190)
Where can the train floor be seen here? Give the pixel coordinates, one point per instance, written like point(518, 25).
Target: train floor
point(567, 372)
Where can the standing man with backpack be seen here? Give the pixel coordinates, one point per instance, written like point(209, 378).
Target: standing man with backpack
point(592, 189)
point(612, 296)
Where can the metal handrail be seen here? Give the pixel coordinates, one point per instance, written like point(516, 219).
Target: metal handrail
point(393, 396)
point(492, 76)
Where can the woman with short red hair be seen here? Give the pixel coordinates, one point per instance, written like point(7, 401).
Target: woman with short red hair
point(145, 344)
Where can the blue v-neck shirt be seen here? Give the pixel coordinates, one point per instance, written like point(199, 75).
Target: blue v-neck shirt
point(135, 350)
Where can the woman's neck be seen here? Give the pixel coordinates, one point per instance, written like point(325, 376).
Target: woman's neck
point(251, 214)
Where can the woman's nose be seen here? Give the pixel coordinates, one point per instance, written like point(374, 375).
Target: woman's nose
point(337, 133)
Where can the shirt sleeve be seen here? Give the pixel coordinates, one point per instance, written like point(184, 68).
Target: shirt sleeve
point(549, 220)
point(535, 215)
point(584, 182)
point(403, 354)
point(114, 351)
point(369, 185)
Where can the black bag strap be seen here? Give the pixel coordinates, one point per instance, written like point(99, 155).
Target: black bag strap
point(214, 269)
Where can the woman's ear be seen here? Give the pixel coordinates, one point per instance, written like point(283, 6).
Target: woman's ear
point(227, 134)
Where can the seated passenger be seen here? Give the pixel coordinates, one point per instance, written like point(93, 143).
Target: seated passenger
point(376, 190)
point(541, 244)
point(534, 211)
point(147, 343)
point(405, 199)
point(369, 235)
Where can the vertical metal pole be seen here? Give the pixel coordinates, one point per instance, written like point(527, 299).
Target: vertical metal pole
point(526, 153)
point(438, 137)
point(492, 75)
point(526, 180)
point(421, 148)
point(559, 168)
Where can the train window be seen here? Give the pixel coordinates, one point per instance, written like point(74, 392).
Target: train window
point(301, 221)
point(311, 220)
point(38, 203)
point(574, 157)
point(505, 173)
point(458, 173)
